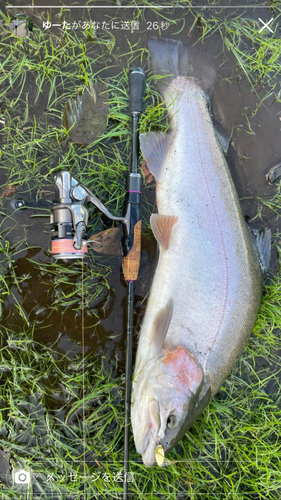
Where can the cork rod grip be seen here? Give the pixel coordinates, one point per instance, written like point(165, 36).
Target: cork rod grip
point(131, 262)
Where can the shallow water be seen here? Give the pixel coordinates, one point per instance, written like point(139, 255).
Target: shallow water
point(250, 155)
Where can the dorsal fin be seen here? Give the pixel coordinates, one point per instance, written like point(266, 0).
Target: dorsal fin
point(263, 246)
point(162, 226)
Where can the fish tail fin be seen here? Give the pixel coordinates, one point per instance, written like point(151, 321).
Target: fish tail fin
point(170, 59)
point(165, 55)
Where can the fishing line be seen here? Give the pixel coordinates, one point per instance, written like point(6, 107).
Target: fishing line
point(83, 374)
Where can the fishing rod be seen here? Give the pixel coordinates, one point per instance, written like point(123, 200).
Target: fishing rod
point(69, 219)
point(131, 261)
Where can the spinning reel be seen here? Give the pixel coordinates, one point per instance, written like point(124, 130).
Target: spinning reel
point(70, 215)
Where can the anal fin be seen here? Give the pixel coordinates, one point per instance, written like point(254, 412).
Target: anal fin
point(154, 147)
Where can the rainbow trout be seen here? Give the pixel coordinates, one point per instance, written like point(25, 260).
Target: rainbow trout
point(207, 286)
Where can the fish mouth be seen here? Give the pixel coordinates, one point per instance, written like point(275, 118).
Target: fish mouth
point(148, 450)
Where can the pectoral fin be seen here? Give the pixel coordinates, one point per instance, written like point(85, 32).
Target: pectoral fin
point(160, 328)
point(162, 226)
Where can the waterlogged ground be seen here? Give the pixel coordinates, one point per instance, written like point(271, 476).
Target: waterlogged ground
point(61, 411)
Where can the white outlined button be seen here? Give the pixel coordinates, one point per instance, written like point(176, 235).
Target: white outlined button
point(22, 477)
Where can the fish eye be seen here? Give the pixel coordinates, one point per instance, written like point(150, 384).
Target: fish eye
point(171, 421)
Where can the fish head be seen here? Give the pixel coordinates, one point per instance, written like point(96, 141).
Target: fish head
point(165, 392)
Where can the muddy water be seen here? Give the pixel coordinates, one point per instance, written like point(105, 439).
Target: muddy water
point(250, 155)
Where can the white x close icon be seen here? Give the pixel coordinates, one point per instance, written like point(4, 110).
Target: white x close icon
point(265, 25)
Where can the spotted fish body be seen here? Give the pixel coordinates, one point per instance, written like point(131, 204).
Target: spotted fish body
point(207, 286)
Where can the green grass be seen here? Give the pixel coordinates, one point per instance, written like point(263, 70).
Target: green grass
point(53, 420)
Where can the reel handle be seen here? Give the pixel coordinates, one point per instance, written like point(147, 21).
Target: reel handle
point(136, 90)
